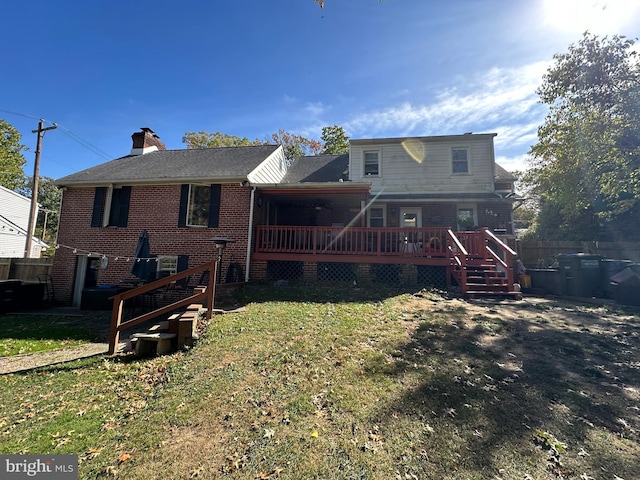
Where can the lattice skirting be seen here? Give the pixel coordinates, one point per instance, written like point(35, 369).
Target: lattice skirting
point(331, 272)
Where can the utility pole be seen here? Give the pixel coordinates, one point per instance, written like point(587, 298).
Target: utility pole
point(34, 189)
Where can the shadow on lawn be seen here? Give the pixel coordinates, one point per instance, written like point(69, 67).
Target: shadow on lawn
point(43, 326)
point(489, 383)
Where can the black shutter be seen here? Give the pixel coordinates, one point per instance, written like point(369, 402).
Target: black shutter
point(214, 206)
point(182, 265)
point(123, 208)
point(184, 200)
point(98, 206)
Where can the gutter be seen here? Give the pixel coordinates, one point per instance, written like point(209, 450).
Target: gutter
point(249, 236)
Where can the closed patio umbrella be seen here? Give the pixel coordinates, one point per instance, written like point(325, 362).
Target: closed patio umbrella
point(141, 267)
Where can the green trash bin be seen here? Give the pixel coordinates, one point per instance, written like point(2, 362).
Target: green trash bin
point(582, 274)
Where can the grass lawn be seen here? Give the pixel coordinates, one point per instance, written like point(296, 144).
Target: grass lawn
point(23, 334)
point(345, 383)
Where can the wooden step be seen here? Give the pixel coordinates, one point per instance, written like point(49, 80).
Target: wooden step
point(160, 327)
point(153, 342)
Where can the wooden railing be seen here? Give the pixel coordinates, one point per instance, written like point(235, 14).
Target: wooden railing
point(418, 242)
point(483, 244)
point(205, 296)
point(459, 257)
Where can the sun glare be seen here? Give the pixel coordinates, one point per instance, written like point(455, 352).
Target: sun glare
point(596, 16)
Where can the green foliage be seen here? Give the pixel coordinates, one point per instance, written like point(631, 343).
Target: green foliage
point(12, 160)
point(294, 145)
point(335, 140)
point(217, 139)
point(586, 164)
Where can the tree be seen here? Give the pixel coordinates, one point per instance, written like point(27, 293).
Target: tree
point(294, 145)
point(49, 197)
point(585, 168)
point(12, 160)
point(335, 140)
point(216, 139)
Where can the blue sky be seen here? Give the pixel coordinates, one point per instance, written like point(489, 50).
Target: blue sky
point(101, 69)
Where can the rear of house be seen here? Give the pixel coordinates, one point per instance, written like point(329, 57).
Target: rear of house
point(386, 211)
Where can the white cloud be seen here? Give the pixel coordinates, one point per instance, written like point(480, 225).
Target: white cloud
point(501, 96)
point(510, 164)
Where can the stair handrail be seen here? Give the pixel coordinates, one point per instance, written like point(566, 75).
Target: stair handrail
point(458, 255)
point(509, 256)
point(207, 295)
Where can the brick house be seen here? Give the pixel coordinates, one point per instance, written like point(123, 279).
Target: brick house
point(330, 217)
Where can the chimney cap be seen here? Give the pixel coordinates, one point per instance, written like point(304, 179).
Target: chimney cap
point(148, 130)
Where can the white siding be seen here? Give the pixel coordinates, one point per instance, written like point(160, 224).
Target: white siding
point(271, 170)
point(11, 244)
point(425, 165)
point(14, 207)
point(14, 221)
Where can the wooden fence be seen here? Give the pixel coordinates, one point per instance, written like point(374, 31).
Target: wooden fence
point(25, 269)
point(534, 253)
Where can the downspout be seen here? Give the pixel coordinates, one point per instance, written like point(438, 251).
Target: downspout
point(249, 236)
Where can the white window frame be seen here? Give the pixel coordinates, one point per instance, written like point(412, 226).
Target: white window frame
point(454, 161)
point(167, 265)
point(467, 207)
point(364, 163)
point(383, 217)
point(189, 218)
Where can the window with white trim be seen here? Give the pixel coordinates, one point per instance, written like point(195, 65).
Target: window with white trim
point(371, 163)
point(460, 160)
point(167, 265)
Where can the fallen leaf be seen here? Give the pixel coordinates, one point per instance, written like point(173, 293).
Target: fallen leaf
point(314, 433)
point(124, 457)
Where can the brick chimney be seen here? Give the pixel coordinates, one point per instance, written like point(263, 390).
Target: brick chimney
point(146, 142)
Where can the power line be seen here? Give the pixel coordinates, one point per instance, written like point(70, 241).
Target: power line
point(84, 143)
point(73, 136)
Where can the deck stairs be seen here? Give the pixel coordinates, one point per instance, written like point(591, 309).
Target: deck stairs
point(481, 264)
point(170, 335)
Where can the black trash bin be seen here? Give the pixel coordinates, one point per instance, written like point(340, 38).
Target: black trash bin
point(609, 268)
point(626, 286)
point(582, 274)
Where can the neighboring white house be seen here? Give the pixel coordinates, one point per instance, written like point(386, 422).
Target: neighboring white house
point(14, 222)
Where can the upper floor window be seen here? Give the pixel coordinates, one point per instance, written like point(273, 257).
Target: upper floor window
point(460, 160)
point(111, 207)
point(199, 206)
point(371, 164)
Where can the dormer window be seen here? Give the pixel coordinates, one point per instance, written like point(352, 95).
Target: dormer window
point(460, 160)
point(371, 164)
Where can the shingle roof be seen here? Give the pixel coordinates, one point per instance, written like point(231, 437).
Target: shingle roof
point(208, 164)
point(318, 168)
point(502, 174)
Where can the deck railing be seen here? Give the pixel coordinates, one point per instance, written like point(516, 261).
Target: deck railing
point(484, 244)
point(417, 242)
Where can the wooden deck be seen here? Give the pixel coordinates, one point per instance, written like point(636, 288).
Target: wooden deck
point(478, 260)
point(423, 246)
